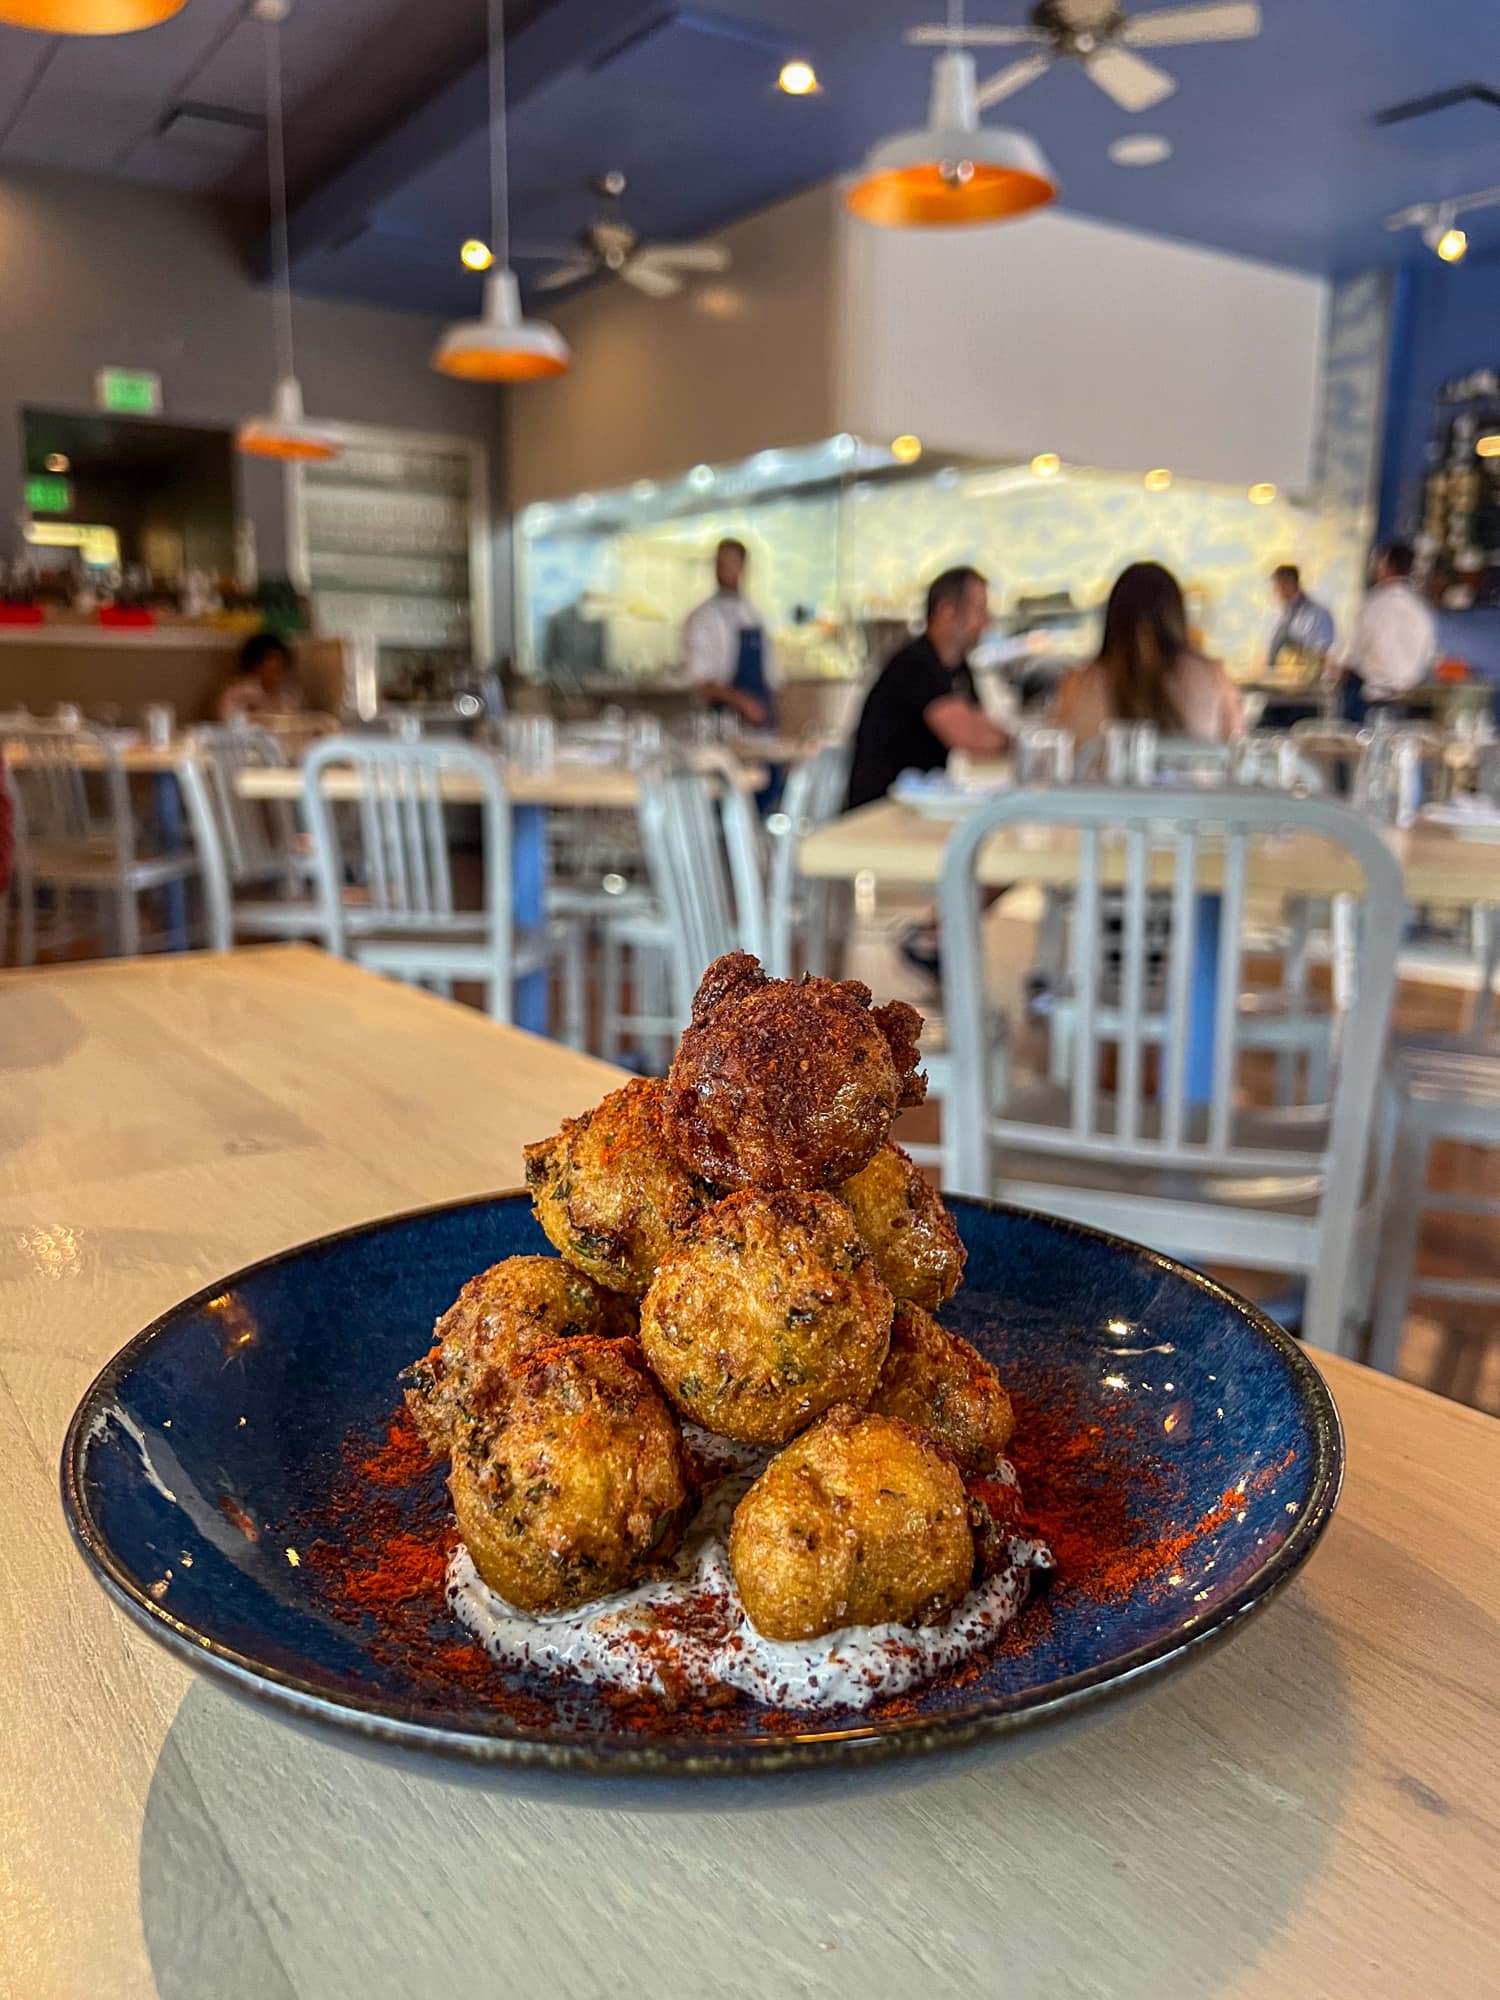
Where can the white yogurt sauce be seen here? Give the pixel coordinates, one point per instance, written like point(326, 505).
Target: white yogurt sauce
point(622, 1641)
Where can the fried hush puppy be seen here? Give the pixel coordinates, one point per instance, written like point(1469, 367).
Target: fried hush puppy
point(938, 1382)
point(572, 1480)
point(861, 1521)
point(781, 1083)
point(912, 1237)
point(769, 1312)
point(610, 1192)
point(502, 1314)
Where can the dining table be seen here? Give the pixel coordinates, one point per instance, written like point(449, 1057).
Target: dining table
point(896, 844)
point(1311, 1810)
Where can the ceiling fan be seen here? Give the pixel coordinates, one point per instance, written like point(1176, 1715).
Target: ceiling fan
point(1105, 39)
point(610, 245)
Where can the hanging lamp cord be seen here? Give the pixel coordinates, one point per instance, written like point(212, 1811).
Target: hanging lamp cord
point(499, 140)
point(281, 252)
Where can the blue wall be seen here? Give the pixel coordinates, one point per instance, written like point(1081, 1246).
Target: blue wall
point(1446, 322)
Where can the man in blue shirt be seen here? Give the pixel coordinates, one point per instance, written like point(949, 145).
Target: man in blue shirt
point(1304, 627)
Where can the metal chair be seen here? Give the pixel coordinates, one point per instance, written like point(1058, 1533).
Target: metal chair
point(18, 901)
point(82, 835)
point(702, 845)
point(406, 923)
point(1438, 1088)
point(799, 908)
point(1183, 1168)
point(245, 844)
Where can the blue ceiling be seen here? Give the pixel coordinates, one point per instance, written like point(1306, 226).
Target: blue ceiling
point(1274, 150)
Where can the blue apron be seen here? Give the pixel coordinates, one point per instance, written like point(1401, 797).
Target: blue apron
point(750, 678)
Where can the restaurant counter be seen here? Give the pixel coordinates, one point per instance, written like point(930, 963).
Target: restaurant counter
point(183, 664)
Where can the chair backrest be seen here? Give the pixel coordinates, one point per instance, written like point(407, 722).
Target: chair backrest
point(259, 837)
point(702, 847)
point(17, 896)
point(814, 794)
point(58, 773)
point(402, 858)
point(1193, 854)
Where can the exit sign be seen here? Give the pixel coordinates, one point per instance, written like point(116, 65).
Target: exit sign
point(49, 496)
point(128, 392)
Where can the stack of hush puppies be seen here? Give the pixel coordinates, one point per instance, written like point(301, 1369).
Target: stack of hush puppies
point(744, 1253)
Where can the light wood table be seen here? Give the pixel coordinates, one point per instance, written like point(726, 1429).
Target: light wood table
point(140, 760)
point(895, 844)
point(564, 783)
point(1311, 1811)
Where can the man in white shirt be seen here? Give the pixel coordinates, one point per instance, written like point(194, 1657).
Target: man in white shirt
point(724, 644)
point(1393, 644)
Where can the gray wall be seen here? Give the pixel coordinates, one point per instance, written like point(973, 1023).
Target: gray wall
point(730, 366)
point(95, 272)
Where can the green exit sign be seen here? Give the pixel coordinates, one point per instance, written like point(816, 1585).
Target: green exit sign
point(49, 496)
point(128, 392)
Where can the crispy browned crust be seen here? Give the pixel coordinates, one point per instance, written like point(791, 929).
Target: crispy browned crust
point(771, 1311)
point(611, 1193)
point(570, 1479)
point(787, 1084)
point(912, 1237)
point(860, 1521)
point(935, 1380)
point(500, 1315)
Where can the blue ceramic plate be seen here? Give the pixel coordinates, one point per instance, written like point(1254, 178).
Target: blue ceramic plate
point(209, 1478)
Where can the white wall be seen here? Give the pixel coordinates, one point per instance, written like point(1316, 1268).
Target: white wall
point(728, 367)
point(1107, 347)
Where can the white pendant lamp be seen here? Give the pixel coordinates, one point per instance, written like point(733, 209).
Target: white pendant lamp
point(283, 432)
point(954, 170)
point(501, 345)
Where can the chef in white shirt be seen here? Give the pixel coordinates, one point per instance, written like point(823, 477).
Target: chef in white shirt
point(1393, 644)
point(724, 644)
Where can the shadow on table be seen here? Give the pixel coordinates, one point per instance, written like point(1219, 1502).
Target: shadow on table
point(1154, 1850)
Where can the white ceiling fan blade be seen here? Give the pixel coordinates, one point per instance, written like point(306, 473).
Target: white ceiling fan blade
point(943, 37)
point(565, 274)
point(689, 256)
point(646, 277)
point(1133, 83)
point(1174, 27)
point(1086, 14)
point(1006, 82)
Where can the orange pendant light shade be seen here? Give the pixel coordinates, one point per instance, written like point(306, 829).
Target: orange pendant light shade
point(285, 432)
point(954, 170)
point(87, 17)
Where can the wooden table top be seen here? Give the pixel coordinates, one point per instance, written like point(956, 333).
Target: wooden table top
point(561, 784)
point(1310, 1811)
point(897, 844)
point(140, 759)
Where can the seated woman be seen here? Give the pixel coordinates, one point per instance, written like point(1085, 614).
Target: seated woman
point(265, 683)
point(1147, 669)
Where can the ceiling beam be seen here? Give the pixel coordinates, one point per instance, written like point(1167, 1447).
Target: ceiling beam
point(570, 35)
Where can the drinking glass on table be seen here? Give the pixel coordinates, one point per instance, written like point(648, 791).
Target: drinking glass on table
point(531, 742)
point(1044, 754)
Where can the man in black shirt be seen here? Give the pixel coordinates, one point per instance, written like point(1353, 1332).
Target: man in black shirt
point(923, 705)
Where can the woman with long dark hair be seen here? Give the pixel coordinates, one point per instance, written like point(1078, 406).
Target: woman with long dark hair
point(1148, 670)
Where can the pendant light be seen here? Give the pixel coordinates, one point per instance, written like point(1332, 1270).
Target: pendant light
point(500, 346)
point(284, 431)
point(954, 170)
point(87, 17)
